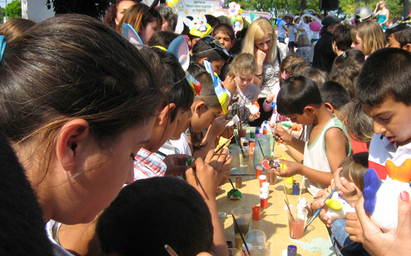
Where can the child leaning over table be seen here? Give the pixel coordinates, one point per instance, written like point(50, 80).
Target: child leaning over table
point(328, 143)
point(243, 69)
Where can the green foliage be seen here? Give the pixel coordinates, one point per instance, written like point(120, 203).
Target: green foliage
point(2, 14)
point(13, 9)
point(93, 8)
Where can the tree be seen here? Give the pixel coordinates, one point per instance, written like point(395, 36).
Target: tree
point(13, 9)
point(93, 8)
point(2, 14)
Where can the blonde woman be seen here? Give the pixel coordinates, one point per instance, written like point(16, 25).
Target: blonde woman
point(260, 41)
point(367, 37)
point(383, 14)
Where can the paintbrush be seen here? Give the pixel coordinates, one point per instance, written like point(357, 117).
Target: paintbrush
point(261, 148)
point(242, 237)
point(239, 144)
point(223, 145)
point(170, 250)
point(318, 211)
point(231, 183)
point(289, 210)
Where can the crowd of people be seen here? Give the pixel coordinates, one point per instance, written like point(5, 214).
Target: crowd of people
point(98, 113)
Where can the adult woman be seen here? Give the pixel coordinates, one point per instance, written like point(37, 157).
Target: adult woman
point(117, 10)
point(383, 14)
point(145, 20)
point(74, 119)
point(367, 37)
point(260, 41)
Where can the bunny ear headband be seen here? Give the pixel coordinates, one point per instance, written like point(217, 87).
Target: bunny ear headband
point(178, 47)
point(2, 46)
point(222, 93)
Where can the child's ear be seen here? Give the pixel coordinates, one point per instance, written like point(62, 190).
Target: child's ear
point(407, 47)
point(232, 43)
point(329, 107)
point(202, 60)
point(199, 107)
point(165, 113)
point(309, 110)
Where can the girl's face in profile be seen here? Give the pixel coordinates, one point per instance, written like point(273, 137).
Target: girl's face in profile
point(146, 32)
point(121, 9)
point(357, 43)
point(265, 44)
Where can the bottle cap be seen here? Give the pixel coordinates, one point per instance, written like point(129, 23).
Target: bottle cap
point(263, 177)
point(292, 250)
point(190, 161)
point(222, 214)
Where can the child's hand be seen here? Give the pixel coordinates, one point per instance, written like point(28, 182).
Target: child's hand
point(260, 57)
point(254, 117)
point(220, 162)
point(226, 176)
point(270, 97)
point(176, 164)
point(207, 179)
point(282, 136)
point(292, 169)
point(345, 188)
point(218, 126)
point(228, 131)
point(353, 227)
point(229, 83)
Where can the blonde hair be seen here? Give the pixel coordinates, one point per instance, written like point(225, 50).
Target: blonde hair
point(371, 34)
point(354, 168)
point(257, 31)
point(244, 62)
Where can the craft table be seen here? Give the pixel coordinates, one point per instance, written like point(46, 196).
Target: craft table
point(274, 219)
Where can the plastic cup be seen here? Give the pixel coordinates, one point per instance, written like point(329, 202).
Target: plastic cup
point(296, 222)
point(256, 212)
point(242, 133)
point(256, 237)
point(264, 200)
point(259, 251)
point(235, 252)
point(243, 217)
point(258, 171)
point(271, 177)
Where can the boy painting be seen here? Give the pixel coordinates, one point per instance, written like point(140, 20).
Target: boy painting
point(327, 145)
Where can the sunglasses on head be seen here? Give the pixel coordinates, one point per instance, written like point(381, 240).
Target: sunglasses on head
point(211, 41)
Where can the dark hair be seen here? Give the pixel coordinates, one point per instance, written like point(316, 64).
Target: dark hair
point(22, 228)
point(209, 47)
point(212, 20)
point(48, 78)
point(354, 168)
point(162, 38)
point(224, 28)
point(346, 74)
point(342, 37)
point(136, 16)
point(110, 17)
point(335, 94)
point(169, 15)
point(403, 37)
point(153, 212)
point(387, 72)
point(180, 93)
point(15, 27)
point(295, 94)
point(354, 55)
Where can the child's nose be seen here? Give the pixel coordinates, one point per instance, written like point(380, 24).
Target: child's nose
point(378, 128)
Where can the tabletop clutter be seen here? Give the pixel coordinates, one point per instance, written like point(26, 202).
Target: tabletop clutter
point(253, 154)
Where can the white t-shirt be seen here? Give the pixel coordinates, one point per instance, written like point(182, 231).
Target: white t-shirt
point(182, 145)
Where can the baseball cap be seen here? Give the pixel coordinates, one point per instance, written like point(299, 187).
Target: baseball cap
point(289, 15)
point(329, 19)
point(363, 13)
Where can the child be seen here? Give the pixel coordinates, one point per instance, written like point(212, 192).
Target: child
point(341, 39)
point(208, 48)
point(150, 213)
point(383, 89)
point(282, 28)
point(243, 69)
point(197, 29)
point(327, 145)
point(399, 36)
point(225, 35)
point(180, 98)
